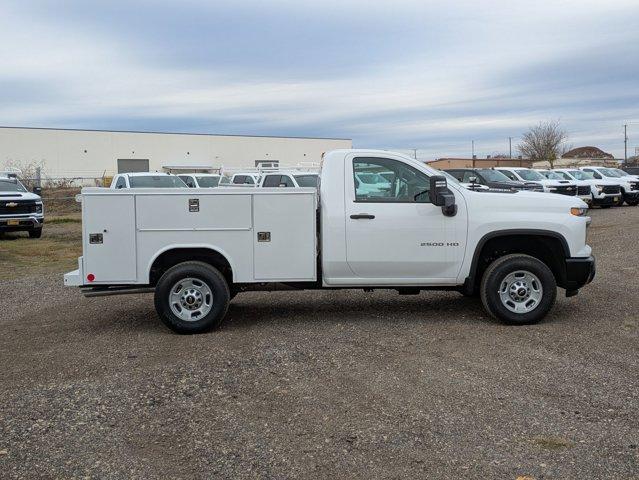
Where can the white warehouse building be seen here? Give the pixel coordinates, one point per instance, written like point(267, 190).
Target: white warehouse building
point(97, 153)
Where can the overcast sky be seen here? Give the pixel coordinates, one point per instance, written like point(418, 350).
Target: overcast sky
point(388, 74)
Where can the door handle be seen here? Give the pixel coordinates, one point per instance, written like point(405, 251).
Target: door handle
point(362, 216)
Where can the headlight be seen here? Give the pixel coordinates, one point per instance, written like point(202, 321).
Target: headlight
point(579, 211)
point(38, 208)
point(599, 188)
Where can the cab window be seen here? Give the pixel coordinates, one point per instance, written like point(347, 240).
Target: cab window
point(383, 180)
point(188, 180)
point(468, 175)
point(271, 181)
point(509, 174)
point(120, 183)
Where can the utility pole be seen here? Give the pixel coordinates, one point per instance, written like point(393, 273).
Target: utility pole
point(472, 143)
point(625, 144)
point(510, 147)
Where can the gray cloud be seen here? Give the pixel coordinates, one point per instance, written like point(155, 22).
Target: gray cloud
point(403, 74)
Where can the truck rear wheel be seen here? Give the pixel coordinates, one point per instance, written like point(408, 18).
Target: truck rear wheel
point(518, 289)
point(192, 297)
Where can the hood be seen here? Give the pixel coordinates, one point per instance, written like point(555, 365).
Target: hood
point(506, 184)
point(556, 183)
point(19, 196)
point(525, 201)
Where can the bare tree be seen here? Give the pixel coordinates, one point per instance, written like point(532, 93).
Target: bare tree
point(545, 141)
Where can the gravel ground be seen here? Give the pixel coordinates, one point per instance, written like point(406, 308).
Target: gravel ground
point(326, 385)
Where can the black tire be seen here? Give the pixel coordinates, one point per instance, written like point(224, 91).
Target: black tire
point(35, 233)
point(606, 206)
point(632, 203)
point(205, 274)
point(495, 274)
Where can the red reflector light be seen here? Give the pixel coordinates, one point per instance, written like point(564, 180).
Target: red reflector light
point(90, 277)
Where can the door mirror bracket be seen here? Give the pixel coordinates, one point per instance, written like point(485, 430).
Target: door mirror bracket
point(440, 196)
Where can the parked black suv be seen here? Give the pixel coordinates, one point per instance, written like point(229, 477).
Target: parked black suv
point(493, 179)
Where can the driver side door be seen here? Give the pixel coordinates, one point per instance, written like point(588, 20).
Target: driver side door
point(394, 235)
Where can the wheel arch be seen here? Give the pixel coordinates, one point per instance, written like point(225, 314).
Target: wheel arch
point(173, 254)
point(546, 245)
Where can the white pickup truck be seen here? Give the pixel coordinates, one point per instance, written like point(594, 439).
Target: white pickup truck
point(197, 248)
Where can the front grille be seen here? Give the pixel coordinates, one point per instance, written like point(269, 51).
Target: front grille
point(565, 190)
point(583, 190)
point(17, 207)
point(611, 189)
point(534, 188)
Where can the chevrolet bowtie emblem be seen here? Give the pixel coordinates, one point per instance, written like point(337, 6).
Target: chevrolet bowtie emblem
point(12, 204)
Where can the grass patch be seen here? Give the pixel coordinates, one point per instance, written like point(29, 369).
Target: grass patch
point(56, 252)
point(552, 443)
point(59, 220)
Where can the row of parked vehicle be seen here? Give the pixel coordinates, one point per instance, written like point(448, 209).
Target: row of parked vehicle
point(597, 186)
point(601, 186)
point(279, 178)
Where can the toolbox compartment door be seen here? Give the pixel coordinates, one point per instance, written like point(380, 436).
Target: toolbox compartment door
point(284, 237)
point(108, 239)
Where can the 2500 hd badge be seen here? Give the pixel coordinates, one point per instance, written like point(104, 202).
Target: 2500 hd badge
point(439, 244)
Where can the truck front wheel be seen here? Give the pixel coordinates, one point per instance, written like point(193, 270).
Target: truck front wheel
point(35, 233)
point(518, 289)
point(192, 297)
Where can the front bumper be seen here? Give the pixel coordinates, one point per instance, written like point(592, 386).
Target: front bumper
point(579, 272)
point(631, 195)
point(607, 199)
point(21, 223)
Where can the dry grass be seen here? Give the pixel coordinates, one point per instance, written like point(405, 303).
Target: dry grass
point(60, 201)
point(56, 252)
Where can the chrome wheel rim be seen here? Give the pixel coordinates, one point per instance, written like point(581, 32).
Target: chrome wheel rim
point(521, 291)
point(191, 299)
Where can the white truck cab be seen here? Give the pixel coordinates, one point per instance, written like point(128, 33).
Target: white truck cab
point(146, 180)
point(629, 186)
point(529, 175)
point(410, 231)
point(20, 210)
point(604, 193)
point(200, 180)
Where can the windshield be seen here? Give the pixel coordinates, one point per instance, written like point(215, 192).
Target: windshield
point(579, 175)
point(530, 175)
point(208, 182)
point(493, 175)
point(156, 181)
point(609, 172)
point(11, 185)
point(620, 172)
point(307, 180)
point(552, 175)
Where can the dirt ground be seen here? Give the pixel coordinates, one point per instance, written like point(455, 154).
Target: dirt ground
point(318, 384)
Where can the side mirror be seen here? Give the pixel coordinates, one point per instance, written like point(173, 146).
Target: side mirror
point(37, 190)
point(440, 196)
point(282, 185)
point(473, 179)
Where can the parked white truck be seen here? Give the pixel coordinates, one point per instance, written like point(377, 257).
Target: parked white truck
point(196, 249)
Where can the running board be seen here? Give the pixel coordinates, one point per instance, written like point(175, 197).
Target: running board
point(107, 291)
